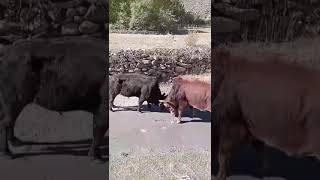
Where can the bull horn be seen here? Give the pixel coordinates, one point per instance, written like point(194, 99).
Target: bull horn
point(162, 101)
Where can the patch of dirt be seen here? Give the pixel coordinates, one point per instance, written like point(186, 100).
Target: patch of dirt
point(118, 41)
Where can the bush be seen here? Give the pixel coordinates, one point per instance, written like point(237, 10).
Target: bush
point(119, 9)
point(156, 15)
point(191, 39)
point(152, 15)
point(124, 15)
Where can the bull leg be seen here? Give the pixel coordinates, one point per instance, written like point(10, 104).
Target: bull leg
point(12, 138)
point(4, 148)
point(232, 138)
point(111, 100)
point(99, 130)
point(143, 97)
point(223, 159)
point(193, 112)
point(10, 129)
point(179, 116)
point(141, 100)
point(182, 106)
point(262, 163)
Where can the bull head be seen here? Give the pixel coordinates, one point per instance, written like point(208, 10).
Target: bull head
point(168, 105)
point(163, 96)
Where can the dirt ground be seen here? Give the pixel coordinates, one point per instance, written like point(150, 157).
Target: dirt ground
point(119, 41)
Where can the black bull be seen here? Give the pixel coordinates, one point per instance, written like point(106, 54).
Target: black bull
point(134, 84)
point(58, 74)
point(271, 101)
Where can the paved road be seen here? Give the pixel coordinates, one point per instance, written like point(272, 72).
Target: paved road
point(56, 149)
point(131, 131)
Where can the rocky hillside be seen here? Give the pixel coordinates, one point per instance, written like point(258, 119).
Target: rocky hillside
point(264, 20)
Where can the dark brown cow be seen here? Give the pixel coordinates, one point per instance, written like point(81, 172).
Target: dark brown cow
point(135, 84)
point(60, 74)
point(271, 100)
point(185, 93)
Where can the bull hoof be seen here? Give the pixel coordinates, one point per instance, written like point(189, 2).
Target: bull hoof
point(91, 153)
point(98, 161)
point(95, 158)
point(177, 120)
point(16, 142)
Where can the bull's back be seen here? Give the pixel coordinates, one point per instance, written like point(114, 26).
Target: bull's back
point(133, 84)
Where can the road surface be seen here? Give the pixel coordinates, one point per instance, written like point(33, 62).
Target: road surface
point(55, 149)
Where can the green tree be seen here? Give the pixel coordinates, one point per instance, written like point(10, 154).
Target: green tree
point(156, 15)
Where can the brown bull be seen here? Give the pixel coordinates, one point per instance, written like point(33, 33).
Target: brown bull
point(275, 102)
point(185, 93)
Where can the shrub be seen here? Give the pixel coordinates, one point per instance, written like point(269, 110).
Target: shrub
point(152, 15)
point(124, 15)
point(118, 9)
point(156, 15)
point(191, 39)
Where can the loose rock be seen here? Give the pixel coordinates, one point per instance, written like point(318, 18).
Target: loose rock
point(70, 29)
point(88, 27)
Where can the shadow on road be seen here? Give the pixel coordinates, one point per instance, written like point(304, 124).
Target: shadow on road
point(199, 116)
point(279, 165)
point(74, 148)
point(143, 109)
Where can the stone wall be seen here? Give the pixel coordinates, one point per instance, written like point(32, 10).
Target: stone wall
point(21, 19)
point(264, 20)
point(169, 62)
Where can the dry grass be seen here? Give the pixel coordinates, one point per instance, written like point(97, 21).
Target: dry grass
point(202, 77)
point(191, 39)
point(168, 166)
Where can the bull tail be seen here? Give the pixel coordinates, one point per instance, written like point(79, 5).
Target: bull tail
point(115, 86)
